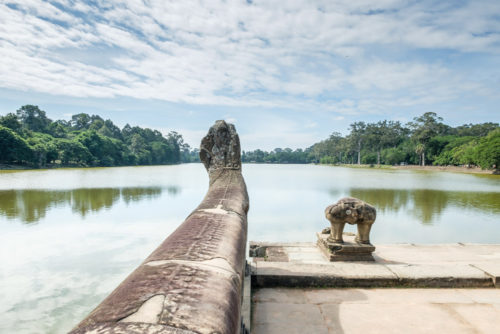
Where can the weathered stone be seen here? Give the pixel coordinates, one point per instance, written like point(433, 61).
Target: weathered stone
point(353, 211)
point(255, 250)
point(348, 250)
point(246, 308)
point(329, 274)
point(490, 268)
point(129, 328)
point(403, 265)
point(436, 275)
point(220, 149)
point(276, 254)
point(376, 311)
point(192, 283)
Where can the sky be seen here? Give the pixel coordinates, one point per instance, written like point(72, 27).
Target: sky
point(286, 73)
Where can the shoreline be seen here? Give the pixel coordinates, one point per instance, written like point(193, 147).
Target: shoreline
point(453, 169)
point(10, 167)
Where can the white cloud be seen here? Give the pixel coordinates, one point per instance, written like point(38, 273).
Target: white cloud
point(271, 54)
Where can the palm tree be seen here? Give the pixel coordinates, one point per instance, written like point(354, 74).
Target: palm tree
point(420, 150)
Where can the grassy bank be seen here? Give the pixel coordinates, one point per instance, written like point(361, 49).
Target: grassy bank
point(454, 169)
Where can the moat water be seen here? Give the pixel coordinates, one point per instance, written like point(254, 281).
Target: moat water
point(68, 237)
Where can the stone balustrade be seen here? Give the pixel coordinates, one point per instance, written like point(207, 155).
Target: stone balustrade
point(192, 283)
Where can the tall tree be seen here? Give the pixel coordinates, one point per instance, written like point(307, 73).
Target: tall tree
point(423, 129)
point(33, 118)
point(80, 121)
point(10, 121)
point(59, 129)
point(384, 134)
point(13, 148)
point(357, 136)
point(476, 130)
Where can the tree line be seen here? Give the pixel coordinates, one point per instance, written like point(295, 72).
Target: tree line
point(426, 140)
point(28, 137)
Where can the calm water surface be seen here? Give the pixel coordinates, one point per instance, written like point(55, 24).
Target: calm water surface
point(69, 236)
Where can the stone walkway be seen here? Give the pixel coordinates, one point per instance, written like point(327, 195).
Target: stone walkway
point(396, 265)
point(297, 290)
point(319, 311)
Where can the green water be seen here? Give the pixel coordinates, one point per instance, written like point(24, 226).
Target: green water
point(69, 236)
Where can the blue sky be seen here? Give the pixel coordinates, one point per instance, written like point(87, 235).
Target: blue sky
point(287, 73)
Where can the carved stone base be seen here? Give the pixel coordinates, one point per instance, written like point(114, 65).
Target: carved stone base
point(347, 251)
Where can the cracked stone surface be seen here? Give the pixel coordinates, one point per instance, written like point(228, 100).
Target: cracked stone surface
point(192, 283)
point(149, 312)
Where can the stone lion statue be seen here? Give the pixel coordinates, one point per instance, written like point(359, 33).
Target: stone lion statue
point(353, 211)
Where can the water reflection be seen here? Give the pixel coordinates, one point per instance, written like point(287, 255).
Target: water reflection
point(426, 205)
point(29, 206)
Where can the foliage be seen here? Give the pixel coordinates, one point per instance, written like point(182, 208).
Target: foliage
point(424, 128)
point(13, 148)
point(72, 152)
point(487, 152)
point(29, 137)
point(32, 118)
point(278, 155)
point(357, 137)
point(10, 121)
point(425, 140)
point(454, 151)
point(393, 156)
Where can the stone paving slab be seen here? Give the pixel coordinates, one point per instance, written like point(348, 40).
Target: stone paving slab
point(389, 296)
point(435, 275)
point(282, 310)
point(407, 265)
point(440, 253)
point(304, 254)
point(492, 268)
point(338, 274)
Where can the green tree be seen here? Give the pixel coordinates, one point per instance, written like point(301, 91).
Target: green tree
point(59, 129)
point(453, 151)
point(90, 140)
point(80, 121)
point(383, 134)
point(13, 148)
point(44, 148)
point(113, 130)
point(71, 151)
point(423, 129)
point(137, 144)
point(104, 151)
point(420, 150)
point(10, 121)
point(487, 152)
point(393, 156)
point(356, 137)
point(476, 130)
point(32, 118)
